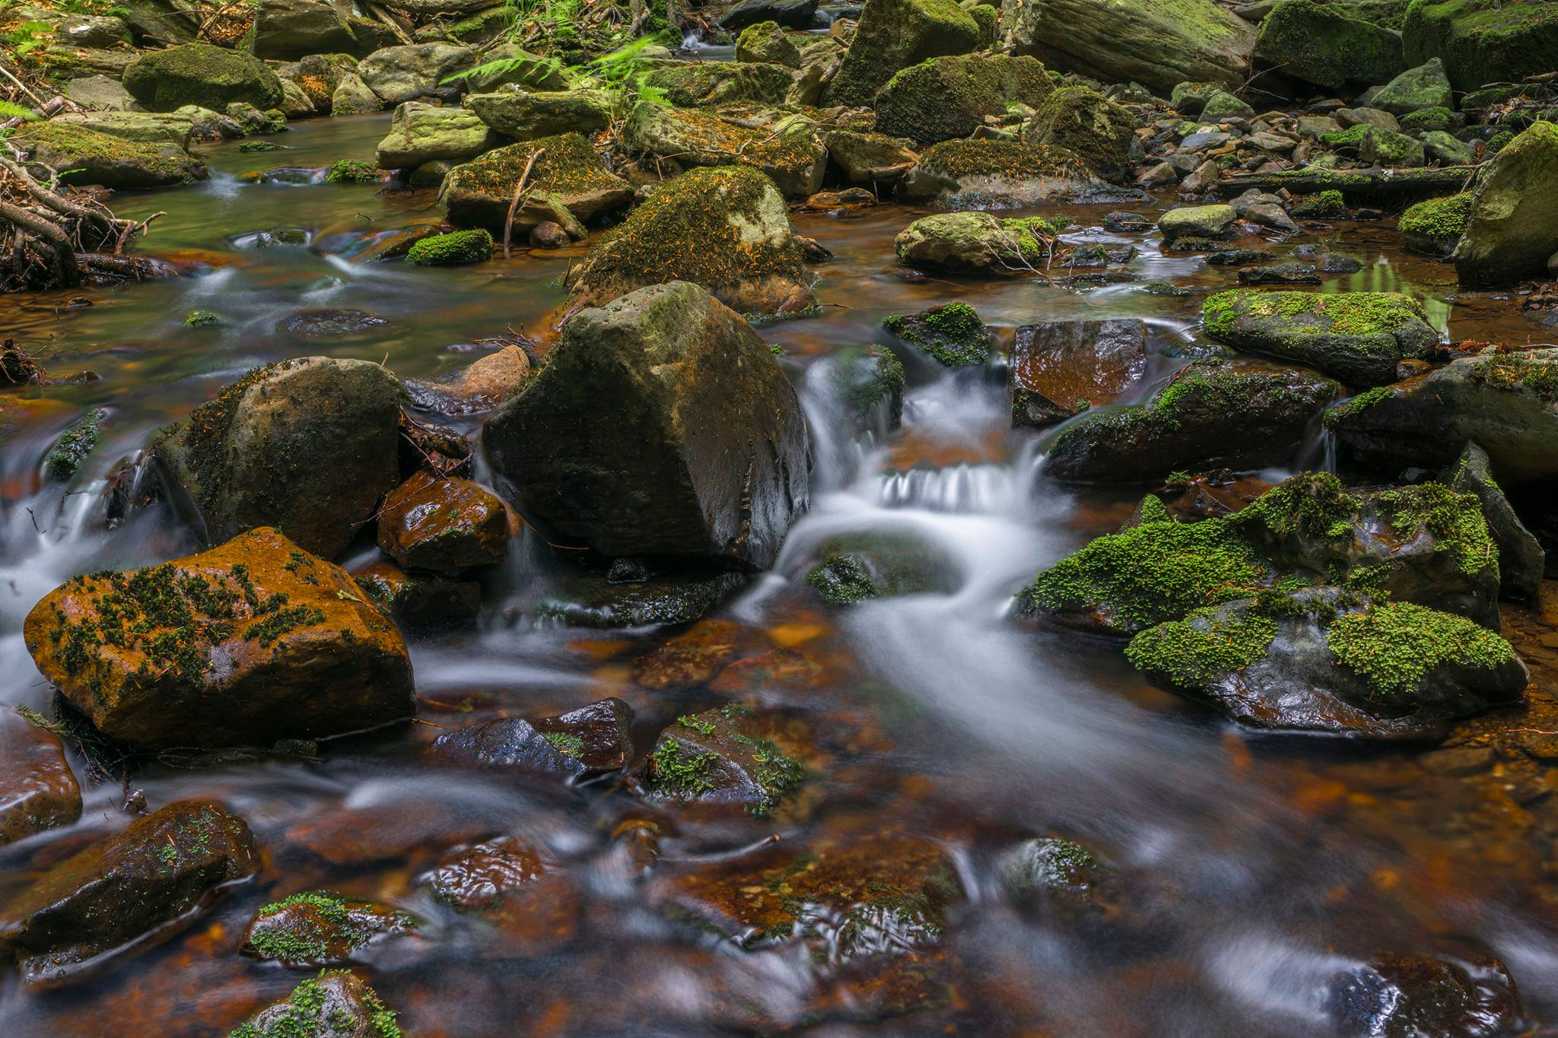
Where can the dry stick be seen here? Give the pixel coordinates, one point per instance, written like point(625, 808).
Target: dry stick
point(394, 26)
point(519, 189)
point(23, 87)
point(50, 236)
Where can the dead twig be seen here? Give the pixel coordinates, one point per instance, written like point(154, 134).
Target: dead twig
point(519, 188)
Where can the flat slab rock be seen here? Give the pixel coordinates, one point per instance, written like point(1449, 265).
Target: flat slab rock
point(1062, 368)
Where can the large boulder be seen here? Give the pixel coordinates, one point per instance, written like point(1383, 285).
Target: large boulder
point(705, 84)
point(421, 132)
point(1157, 43)
point(997, 174)
point(1425, 86)
point(1358, 337)
point(724, 228)
point(791, 153)
point(703, 458)
point(1086, 123)
point(510, 65)
point(155, 875)
point(1513, 230)
point(869, 158)
point(1434, 226)
point(198, 73)
point(86, 156)
point(1522, 560)
point(894, 34)
point(1242, 414)
point(524, 115)
point(566, 172)
point(946, 97)
point(143, 127)
point(792, 14)
point(1321, 45)
point(1482, 41)
point(976, 243)
point(307, 445)
point(1062, 368)
point(767, 43)
point(292, 29)
point(247, 643)
point(397, 74)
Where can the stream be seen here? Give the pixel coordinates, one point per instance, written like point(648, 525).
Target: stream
point(1259, 872)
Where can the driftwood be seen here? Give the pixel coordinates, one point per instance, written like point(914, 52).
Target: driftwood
point(422, 8)
point(1376, 186)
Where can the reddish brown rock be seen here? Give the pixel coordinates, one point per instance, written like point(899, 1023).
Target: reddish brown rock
point(315, 928)
point(728, 755)
point(443, 525)
point(38, 790)
point(1065, 367)
point(421, 601)
point(592, 740)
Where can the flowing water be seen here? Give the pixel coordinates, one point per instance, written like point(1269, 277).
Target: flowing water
point(1257, 870)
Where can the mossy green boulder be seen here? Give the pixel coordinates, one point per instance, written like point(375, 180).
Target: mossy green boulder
point(1482, 41)
point(420, 132)
point(790, 152)
point(894, 34)
point(1432, 227)
point(1089, 125)
point(315, 928)
point(977, 243)
point(854, 568)
point(458, 248)
point(1425, 86)
point(951, 334)
point(199, 73)
point(1321, 45)
point(704, 84)
point(524, 115)
point(1513, 230)
point(1357, 337)
point(86, 156)
point(1522, 559)
point(946, 97)
point(335, 1004)
point(1198, 221)
point(766, 42)
point(566, 173)
point(724, 756)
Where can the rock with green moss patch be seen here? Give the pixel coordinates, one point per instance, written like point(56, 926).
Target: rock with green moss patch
point(881, 564)
point(1329, 204)
point(1433, 226)
point(1321, 45)
point(894, 34)
point(581, 744)
point(684, 379)
point(790, 152)
point(455, 249)
point(155, 875)
point(1357, 337)
point(1388, 148)
point(397, 74)
point(1198, 221)
point(525, 115)
point(421, 132)
point(508, 66)
point(335, 1004)
point(316, 928)
point(727, 755)
point(292, 29)
point(993, 174)
point(1084, 122)
point(1242, 414)
point(951, 334)
point(1157, 43)
point(1223, 105)
point(1513, 227)
point(66, 454)
point(1430, 119)
point(1425, 86)
point(1052, 874)
point(977, 243)
point(352, 171)
point(766, 42)
point(947, 97)
point(145, 127)
point(199, 73)
point(307, 445)
point(725, 228)
point(870, 158)
point(1482, 41)
point(705, 84)
point(1522, 560)
point(86, 156)
point(569, 173)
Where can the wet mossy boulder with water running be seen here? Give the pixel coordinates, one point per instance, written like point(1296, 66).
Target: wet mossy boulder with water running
point(443, 524)
point(1062, 368)
point(38, 791)
point(247, 643)
point(316, 928)
point(586, 743)
point(335, 1004)
point(565, 171)
point(661, 427)
point(725, 756)
point(948, 97)
point(201, 74)
point(951, 334)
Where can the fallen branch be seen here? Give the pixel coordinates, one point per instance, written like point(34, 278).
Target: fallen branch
point(519, 188)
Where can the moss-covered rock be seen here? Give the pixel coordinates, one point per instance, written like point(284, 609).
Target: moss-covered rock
point(454, 249)
point(1214, 413)
point(398, 74)
point(1329, 204)
point(1433, 227)
point(1086, 123)
point(868, 383)
point(335, 1004)
point(1357, 337)
point(869, 158)
point(726, 756)
point(1482, 41)
point(1522, 560)
point(705, 84)
point(1513, 227)
point(1425, 119)
point(977, 243)
point(951, 334)
point(420, 132)
point(198, 73)
point(65, 454)
point(1198, 221)
point(947, 97)
point(1425, 86)
point(852, 568)
point(478, 193)
point(894, 34)
point(86, 156)
point(292, 29)
point(1322, 45)
point(316, 928)
point(525, 115)
point(791, 152)
point(990, 173)
point(766, 42)
point(724, 228)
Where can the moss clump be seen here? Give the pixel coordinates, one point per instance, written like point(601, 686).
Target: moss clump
point(952, 334)
point(73, 446)
point(1310, 505)
point(776, 773)
point(1350, 139)
point(1396, 645)
point(1425, 119)
point(306, 941)
point(1342, 313)
point(868, 379)
point(1356, 405)
point(843, 579)
point(1014, 160)
point(1435, 225)
point(451, 250)
point(1322, 205)
point(349, 171)
point(677, 771)
point(1454, 520)
point(1082, 121)
point(566, 743)
point(202, 319)
point(949, 97)
point(1206, 644)
point(311, 1012)
point(1517, 371)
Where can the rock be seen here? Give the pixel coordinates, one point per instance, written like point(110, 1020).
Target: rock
point(1222, 105)
point(765, 42)
point(1329, 661)
point(852, 568)
point(1482, 41)
point(525, 115)
point(581, 744)
point(295, 103)
point(443, 524)
point(85, 156)
point(1052, 874)
point(1444, 149)
point(397, 74)
point(1357, 337)
point(976, 243)
point(335, 1004)
point(1514, 217)
point(946, 97)
point(1432, 119)
point(1189, 97)
point(792, 14)
point(790, 153)
point(894, 34)
point(1157, 43)
point(725, 756)
point(99, 94)
point(594, 601)
point(1160, 174)
point(569, 175)
point(1281, 274)
point(705, 84)
point(869, 158)
point(1062, 368)
point(160, 23)
point(421, 601)
point(1380, 147)
point(1089, 125)
point(483, 876)
point(510, 65)
point(38, 791)
point(149, 878)
point(455, 249)
point(318, 76)
point(492, 379)
point(1201, 221)
point(292, 29)
point(1522, 560)
point(352, 97)
point(306, 445)
point(420, 132)
point(1321, 45)
point(724, 228)
point(635, 486)
point(198, 73)
point(233, 646)
point(73, 446)
point(1425, 86)
point(1239, 414)
point(951, 334)
point(89, 31)
point(1433, 227)
point(868, 383)
point(983, 173)
point(316, 928)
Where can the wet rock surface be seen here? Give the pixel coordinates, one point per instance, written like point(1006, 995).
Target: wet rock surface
point(38, 790)
point(318, 928)
point(584, 743)
point(1062, 369)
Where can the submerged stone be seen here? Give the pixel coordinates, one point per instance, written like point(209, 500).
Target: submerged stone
point(1411, 995)
point(591, 741)
point(1062, 368)
point(317, 928)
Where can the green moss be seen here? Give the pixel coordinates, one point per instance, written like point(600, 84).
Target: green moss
point(677, 771)
point(1344, 313)
point(1356, 405)
point(1454, 520)
point(948, 97)
point(1424, 119)
point(1309, 505)
point(1350, 139)
point(348, 171)
point(90, 152)
point(952, 334)
point(869, 378)
point(73, 446)
point(1436, 225)
point(1016, 160)
point(1395, 646)
point(303, 1016)
point(202, 319)
point(453, 249)
point(1080, 120)
point(1327, 204)
point(843, 579)
point(1192, 652)
point(1517, 371)
point(566, 743)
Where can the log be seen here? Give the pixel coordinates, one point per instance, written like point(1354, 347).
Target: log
point(1386, 187)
